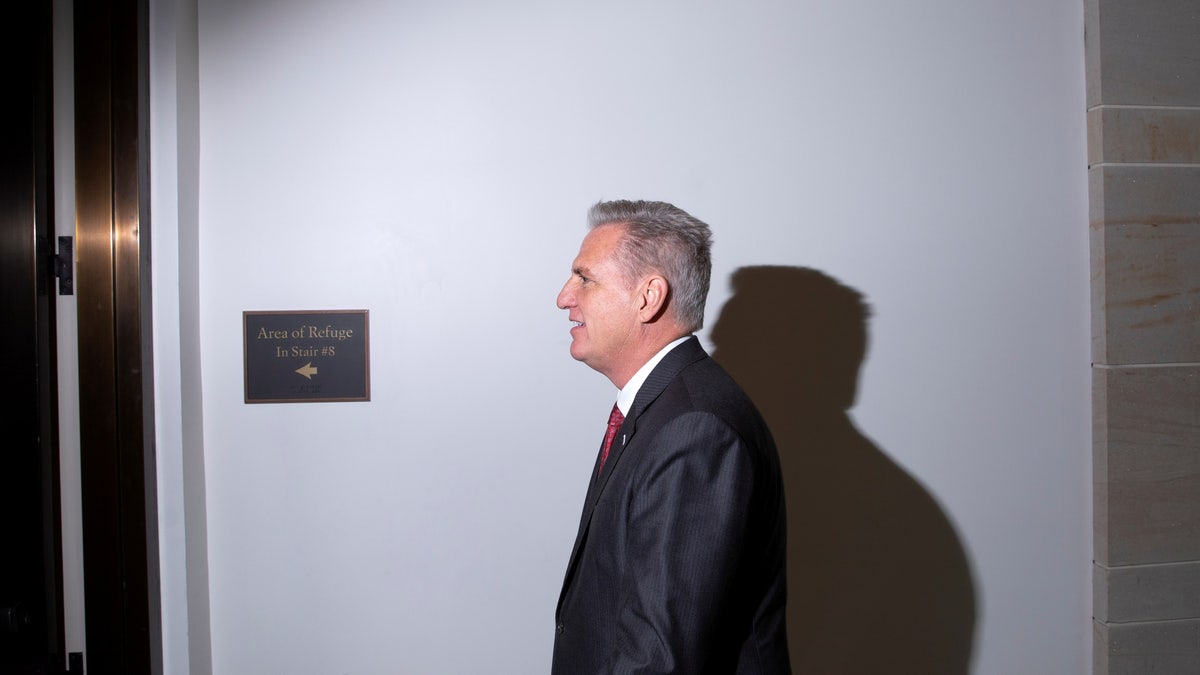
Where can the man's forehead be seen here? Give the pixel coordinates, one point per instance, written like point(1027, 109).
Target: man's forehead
point(587, 266)
point(600, 241)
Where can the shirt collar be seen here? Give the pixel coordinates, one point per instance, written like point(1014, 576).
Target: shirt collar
point(626, 396)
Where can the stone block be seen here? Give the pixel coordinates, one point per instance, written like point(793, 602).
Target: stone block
point(1145, 241)
point(1148, 487)
point(1147, 592)
point(1158, 648)
point(1143, 135)
point(1142, 52)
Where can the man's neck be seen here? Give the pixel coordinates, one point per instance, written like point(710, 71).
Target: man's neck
point(648, 350)
point(628, 393)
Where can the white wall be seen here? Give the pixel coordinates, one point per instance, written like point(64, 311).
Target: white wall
point(174, 162)
point(431, 162)
point(67, 335)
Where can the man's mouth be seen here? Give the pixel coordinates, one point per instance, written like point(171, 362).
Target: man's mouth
point(577, 323)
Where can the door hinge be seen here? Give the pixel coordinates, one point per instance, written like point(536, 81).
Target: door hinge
point(64, 265)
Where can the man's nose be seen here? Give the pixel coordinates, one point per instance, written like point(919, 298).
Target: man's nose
point(566, 297)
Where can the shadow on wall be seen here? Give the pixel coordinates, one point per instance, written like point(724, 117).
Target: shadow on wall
point(878, 581)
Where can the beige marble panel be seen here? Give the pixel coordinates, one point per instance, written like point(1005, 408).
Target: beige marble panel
point(1145, 310)
point(1150, 481)
point(1147, 592)
point(1144, 135)
point(1159, 647)
point(1145, 264)
point(1146, 52)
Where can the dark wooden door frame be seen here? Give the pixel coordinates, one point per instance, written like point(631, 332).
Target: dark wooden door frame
point(31, 596)
point(120, 528)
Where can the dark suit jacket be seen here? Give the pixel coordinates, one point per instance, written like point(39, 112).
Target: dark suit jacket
point(678, 566)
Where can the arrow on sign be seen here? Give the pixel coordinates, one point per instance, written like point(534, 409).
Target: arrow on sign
point(307, 370)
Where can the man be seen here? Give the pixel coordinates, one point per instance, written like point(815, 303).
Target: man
point(678, 566)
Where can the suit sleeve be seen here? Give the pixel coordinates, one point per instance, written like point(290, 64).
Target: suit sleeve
point(687, 526)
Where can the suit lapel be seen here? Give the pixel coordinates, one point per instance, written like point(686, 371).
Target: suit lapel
point(675, 360)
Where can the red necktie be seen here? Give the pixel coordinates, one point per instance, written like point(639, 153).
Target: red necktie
point(614, 422)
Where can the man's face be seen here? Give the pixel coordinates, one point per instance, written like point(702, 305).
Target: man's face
point(601, 302)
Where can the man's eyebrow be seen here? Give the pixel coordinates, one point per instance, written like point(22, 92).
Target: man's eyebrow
point(581, 271)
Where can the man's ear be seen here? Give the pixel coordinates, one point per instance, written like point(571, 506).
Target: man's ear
point(653, 293)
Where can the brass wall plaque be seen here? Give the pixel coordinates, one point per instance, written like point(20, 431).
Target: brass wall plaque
point(297, 357)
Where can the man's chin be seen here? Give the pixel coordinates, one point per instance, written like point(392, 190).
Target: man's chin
point(578, 353)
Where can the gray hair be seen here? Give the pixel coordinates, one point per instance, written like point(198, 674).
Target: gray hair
point(665, 239)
